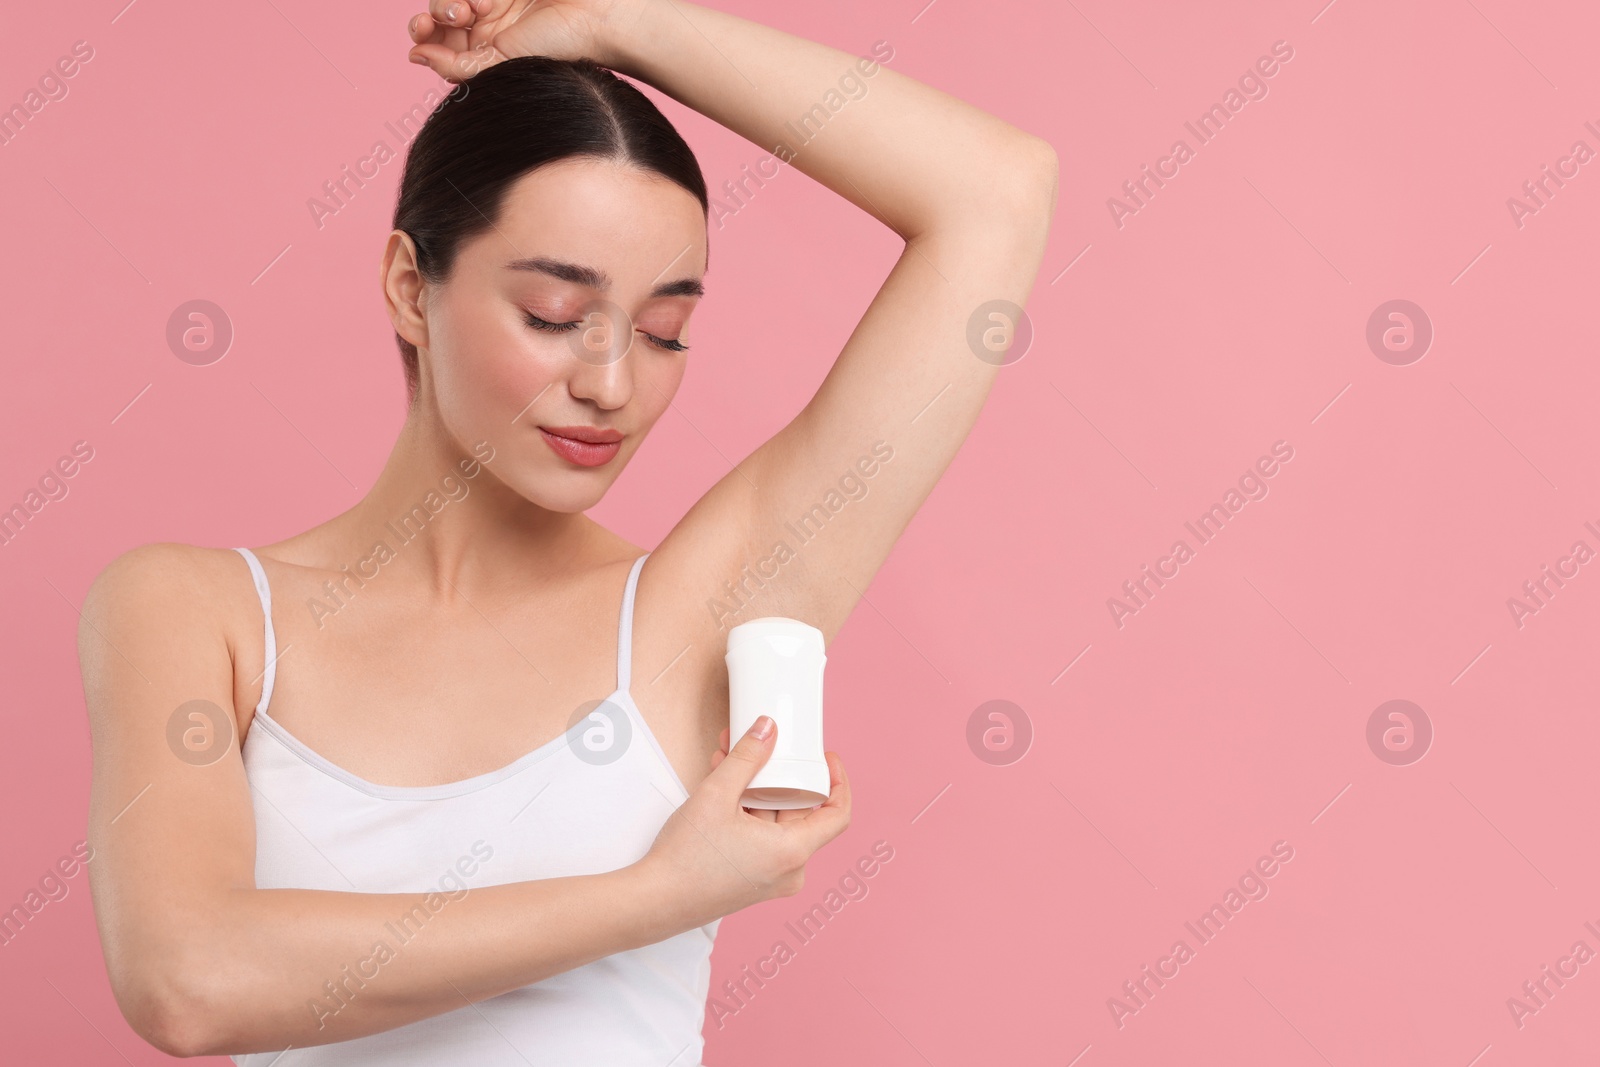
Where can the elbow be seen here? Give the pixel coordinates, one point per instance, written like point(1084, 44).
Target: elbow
point(1035, 176)
point(175, 1033)
point(168, 1026)
point(171, 1023)
point(1009, 197)
point(169, 1009)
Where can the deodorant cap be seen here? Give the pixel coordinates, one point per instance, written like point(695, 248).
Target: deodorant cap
point(784, 635)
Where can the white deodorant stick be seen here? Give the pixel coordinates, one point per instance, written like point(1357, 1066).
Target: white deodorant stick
point(775, 668)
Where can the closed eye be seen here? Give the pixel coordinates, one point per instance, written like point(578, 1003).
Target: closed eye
point(669, 345)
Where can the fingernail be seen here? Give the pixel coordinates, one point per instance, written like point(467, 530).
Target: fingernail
point(453, 13)
point(420, 59)
point(762, 728)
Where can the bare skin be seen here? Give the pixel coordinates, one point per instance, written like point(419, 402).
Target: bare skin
point(485, 635)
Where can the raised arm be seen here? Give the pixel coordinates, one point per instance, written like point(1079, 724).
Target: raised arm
point(971, 195)
point(203, 962)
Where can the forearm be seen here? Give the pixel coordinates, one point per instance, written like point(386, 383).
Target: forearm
point(267, 969)
point(912, 156)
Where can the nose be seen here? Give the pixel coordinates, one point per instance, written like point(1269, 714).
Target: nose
point(601, 369)
point(608, 385)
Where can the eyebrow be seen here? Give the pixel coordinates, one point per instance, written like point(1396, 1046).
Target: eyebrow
point(578, 274)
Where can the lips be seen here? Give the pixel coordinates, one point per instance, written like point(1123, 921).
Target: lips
point(593, 435)
point(587, 446)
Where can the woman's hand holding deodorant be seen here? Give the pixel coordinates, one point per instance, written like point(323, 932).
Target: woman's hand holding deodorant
point(745, 834)
point(713, 857)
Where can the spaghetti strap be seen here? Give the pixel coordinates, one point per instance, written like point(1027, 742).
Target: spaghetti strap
point(625, 627)
point(264, 592)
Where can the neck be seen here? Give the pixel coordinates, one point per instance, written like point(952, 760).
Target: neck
point(448, 519)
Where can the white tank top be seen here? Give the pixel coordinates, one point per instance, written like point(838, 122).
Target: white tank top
point(589, 801)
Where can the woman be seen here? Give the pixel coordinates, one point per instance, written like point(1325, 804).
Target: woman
point(418, 854)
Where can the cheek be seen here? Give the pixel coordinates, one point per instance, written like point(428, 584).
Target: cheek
point(662, 377)
point(486, 363)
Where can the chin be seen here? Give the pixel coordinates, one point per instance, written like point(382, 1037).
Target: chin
point(568, 492)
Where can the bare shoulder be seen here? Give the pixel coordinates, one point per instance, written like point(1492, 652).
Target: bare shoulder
point(154, 581)
point(163, 600)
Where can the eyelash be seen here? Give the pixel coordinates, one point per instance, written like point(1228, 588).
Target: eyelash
point(564, 327)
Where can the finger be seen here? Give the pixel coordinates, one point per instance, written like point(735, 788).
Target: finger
point(454, 65)
point(436, 57)
point(764, 814)
point(457, 13)
point(835, 772)
point(828, 821)
point(424, 28)
point(732, 776)
point(722, 752)
point(492, 10)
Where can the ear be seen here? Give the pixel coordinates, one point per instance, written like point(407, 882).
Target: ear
point(402, 288)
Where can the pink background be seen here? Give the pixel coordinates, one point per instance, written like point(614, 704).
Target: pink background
point(1226, 315)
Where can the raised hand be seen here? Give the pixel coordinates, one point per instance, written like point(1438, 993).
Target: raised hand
point(458, 38)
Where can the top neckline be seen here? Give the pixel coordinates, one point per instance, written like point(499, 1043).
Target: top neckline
point(445, 790)
point(619, 697)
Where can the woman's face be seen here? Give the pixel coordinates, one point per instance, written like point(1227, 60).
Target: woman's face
point(564, 317)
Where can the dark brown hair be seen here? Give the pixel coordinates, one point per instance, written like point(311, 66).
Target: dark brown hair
point(510, 119)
